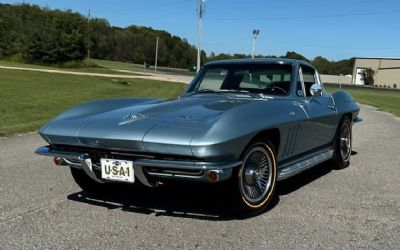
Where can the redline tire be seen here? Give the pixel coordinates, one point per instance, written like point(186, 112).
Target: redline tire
point(256, 177)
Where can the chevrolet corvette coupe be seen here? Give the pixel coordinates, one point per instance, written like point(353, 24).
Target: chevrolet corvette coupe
point(250, 121)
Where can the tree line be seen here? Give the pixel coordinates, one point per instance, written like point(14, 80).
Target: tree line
point(324, 66)
point(46, 36)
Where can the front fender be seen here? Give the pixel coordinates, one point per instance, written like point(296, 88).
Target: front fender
point(231, 133)
point(346, 104)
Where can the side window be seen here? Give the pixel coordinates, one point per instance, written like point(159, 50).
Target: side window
point(309, 78)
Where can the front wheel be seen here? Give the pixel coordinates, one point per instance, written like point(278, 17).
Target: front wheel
point(256, 178)
point(343, 144)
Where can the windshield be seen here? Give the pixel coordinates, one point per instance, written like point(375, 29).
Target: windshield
point(270, 79)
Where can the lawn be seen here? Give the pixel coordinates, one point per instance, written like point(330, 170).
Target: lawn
point(102, 68)
point(388, 101)
point(30, 99)
point(139, 67)
point(119, 65)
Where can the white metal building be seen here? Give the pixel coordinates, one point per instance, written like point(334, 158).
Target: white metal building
point(387, 71)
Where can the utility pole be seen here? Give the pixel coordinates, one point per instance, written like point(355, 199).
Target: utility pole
point(255, 34)
point(201, 9)
point(88, 49)
point(155, 64)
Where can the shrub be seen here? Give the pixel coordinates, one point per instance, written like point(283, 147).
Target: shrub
point(368, 76)
point(77, 64)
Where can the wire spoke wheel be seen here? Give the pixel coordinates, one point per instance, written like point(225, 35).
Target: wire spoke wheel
point(257, 175)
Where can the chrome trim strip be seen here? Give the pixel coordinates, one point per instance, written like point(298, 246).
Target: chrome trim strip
point(186, 164)
point(299, 165)
point(46, 151)
point(71, 163)
point(175, 175)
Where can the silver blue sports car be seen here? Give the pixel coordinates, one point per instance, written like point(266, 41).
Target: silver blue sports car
point(251, 121)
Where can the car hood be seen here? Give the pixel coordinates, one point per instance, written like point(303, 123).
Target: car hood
point(145, 127)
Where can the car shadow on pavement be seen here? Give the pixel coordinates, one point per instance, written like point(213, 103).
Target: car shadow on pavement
point(296, 182)
point(198, 201)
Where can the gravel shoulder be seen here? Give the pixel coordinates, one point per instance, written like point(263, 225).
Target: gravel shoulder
point(354, 208)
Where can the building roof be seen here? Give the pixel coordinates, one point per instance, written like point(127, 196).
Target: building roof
point(379, 58)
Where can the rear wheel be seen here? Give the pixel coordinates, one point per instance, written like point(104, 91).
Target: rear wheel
point(256, 177)
point(343, 144)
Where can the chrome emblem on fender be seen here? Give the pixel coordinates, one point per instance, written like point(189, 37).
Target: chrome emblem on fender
point(130, 118)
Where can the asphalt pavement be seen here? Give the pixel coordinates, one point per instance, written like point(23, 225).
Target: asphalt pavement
point(354, 208)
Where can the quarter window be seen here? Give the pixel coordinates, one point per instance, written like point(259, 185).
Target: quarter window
point(308, 78)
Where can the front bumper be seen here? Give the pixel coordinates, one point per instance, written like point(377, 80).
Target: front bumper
point(148, 170)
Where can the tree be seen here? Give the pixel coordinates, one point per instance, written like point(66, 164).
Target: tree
point(368, 76)
point(294, 55)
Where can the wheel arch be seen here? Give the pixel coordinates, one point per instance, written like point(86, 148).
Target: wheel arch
point(349, 115)
point(273, 134)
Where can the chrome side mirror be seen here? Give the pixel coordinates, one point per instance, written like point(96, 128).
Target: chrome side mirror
point(316, 89)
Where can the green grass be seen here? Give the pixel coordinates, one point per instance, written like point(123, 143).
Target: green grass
point(388, 101)
point(118, 65)
point(139, 67)
point(100, 69)
point(30, 99)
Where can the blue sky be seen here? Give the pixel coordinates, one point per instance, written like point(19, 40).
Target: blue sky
point(334, 29)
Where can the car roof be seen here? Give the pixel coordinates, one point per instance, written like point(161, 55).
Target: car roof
point(259, 61)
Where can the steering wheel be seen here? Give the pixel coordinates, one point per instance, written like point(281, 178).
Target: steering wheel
point(273, 88)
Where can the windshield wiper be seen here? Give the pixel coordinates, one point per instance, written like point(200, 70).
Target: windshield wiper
point(218, 91)
point(201, 91)
point(234, 90)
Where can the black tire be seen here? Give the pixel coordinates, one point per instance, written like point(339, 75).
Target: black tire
point(89, 185)
point(342, 144)
point(256, 178)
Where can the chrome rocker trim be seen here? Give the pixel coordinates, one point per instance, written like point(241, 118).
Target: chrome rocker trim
point(306, 162)
point(82, 161)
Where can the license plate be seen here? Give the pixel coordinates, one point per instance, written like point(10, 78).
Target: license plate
point(117, 170)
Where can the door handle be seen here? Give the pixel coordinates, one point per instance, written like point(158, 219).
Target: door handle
point(333, 107)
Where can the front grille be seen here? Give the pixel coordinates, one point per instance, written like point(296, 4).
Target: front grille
point(173, 171)
point(97, 153)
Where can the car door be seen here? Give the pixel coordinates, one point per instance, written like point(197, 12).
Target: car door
point(319, 128)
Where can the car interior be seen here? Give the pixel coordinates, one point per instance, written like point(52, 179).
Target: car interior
point(309, 80)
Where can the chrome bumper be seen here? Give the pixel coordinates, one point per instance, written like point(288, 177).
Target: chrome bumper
point(223, 170)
